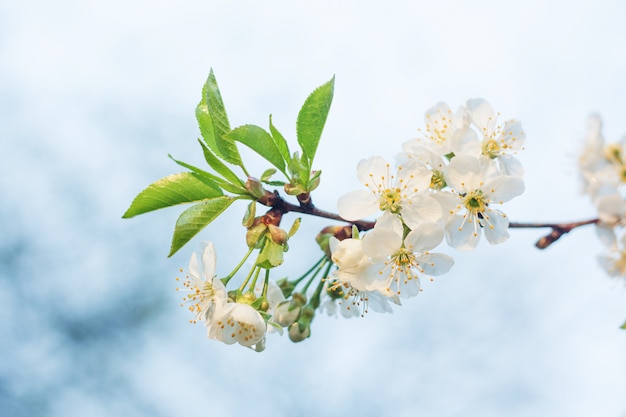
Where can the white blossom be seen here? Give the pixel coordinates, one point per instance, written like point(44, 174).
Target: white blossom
point(477, 193)
point(404, 193)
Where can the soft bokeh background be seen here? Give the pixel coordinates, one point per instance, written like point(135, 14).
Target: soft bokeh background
point(95, 94)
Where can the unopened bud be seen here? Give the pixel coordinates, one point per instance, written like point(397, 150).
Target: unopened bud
point(286, 313)
point(323, 237)
point(278, 235)
point(254, 234)
point(254, 187)
point(296, 335)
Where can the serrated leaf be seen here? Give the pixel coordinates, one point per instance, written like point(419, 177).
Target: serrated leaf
point(280, 141)
point(312, 117)
point(213, 99)
point(220, 167)
point(260, 141)
point(185, 187)
point(196, 218)
point(224, 184)
point(205, 123)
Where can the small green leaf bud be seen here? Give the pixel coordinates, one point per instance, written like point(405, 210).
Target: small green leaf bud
point(248, 218)
point(255, 188)
point(267, 174)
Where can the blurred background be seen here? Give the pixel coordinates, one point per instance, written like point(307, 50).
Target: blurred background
point(94, 95)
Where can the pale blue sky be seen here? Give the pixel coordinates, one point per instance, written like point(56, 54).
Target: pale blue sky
point(94, 95)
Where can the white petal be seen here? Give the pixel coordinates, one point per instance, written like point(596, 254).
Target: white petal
point(414, 177)
point(503, 189)
point(464, 173)
point(381, 243)
point(607, 236)
point(464, 239)
point(357, 205)
point(209, 259)
point(513, 135)
point(496, 227)
point(435, 264)
point(373, 172)
point(422, 208)
point(390, 221)
point(511, 166)
point(424, 237)
point(482, 115)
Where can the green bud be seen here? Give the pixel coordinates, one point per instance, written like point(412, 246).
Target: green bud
point(267, 174)
point(296, 335)
point(248, 218)
point(294, 189)
point(285, 313)
point(254, 234)
point(294, 227)
point(314, 181)
point(286, 286)
point(277, 234)
point(254, 187)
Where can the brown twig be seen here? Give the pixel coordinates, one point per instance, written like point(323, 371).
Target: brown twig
point(558, 230)
point(306, 206)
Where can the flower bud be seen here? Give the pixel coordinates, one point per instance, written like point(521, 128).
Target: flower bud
point(278, 235)
point(296, 335)
point(253, 235)
point(286, 313)
point(323, 237)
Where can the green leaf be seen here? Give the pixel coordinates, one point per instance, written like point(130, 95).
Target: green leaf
point(280, 141)
point(184, 187)
point(261, 142)
point(213, 99)
point(205, 123)
point(196, 218)
point(271, 255)
point(623, 326)
point(219, 167)
point(312, 117)
point(224, 184)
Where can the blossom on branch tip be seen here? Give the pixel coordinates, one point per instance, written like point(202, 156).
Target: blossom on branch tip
point(476, 190)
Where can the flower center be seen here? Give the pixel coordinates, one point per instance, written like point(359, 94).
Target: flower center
point(491, 148)
point(390, 200)
point(437, 181)
point(475, 202)
point(613, 153)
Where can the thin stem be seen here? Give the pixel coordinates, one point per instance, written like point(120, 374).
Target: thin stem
point(315, 299)
point(297, 281)
point(308, 284)
point(306, 206)
point(558, 230)
point(239, 265)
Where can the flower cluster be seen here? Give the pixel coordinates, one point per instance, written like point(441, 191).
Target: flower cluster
point(602, 170)
point(226, 320)
point(446, 183)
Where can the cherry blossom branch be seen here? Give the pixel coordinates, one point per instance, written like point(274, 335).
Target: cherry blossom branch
point(558, 230)
point(306, 206)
